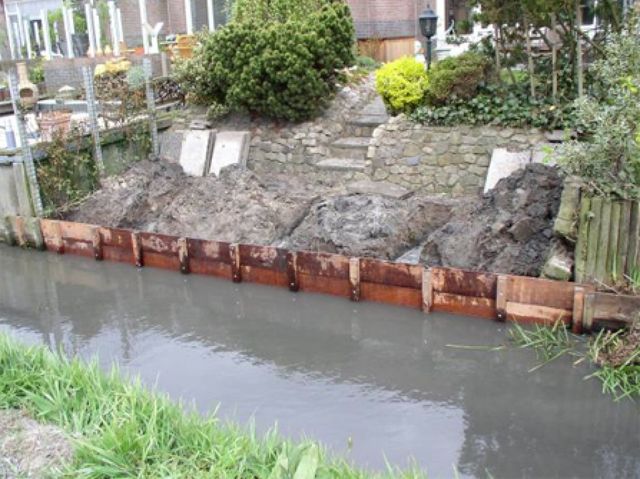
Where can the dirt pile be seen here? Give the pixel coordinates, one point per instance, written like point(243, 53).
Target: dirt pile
point(369, 225)
point(509, 231)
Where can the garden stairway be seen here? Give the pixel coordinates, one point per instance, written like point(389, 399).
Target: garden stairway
point(349, 153)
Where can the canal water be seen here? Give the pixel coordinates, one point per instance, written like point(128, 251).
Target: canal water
point(370, 381)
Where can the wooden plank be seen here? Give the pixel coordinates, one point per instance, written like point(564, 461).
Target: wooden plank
point(534, 314)
point(583, 239)
point(501, 298)
point(613, 274)
point(623, 241)
point(594, 235)
point(393, 274)
point(427, 291)
point(587, 318)
point(464, 283)
point(323, 264)
point(540, 292)
point(96, 243)
point(136, 249)
point(613, 307)
point(354, 278)
point(234, 257)
point(578, 309)
point(183, 255)
point(603, 242)
point(292, 271)
point(393, 295)
point(633, 255)
point(464, 305)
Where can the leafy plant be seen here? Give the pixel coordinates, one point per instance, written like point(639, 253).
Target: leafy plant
point(457, 78)
point(548, 343)
point(402, 84)
point(36, 71)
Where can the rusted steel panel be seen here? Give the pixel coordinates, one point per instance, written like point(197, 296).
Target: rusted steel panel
point(427, 291)
point(157, 243)
point(18, 227)
point(395, 295)
point(234, 257)
point(464, 305)
point(163, 261)
point(265, 257)
point(80, 248)
point(617, 308)
point(323, 264)
point(264, 276)
point(117, 254)
point(354, 278)
point(464, 283)
point(292, 271)
point(535, 314)
point(116, 237)
point(210, 268)
point(501, 298)
point(183, 256)
point(216, 251)
point(541, 292)
point(332, 286)
point(97, 244)
point(394, 274)
point(52, 235)
point(77, 231)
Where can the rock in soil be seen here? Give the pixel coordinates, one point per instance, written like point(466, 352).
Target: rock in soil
point(510, 230)
point(29, 449)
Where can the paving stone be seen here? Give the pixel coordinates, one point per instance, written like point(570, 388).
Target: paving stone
point(195, 155)
point(384, 188)
point(231, 148)
point(503, 164)
point(171, 145)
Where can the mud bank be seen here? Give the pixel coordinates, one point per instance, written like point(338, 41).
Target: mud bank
point(508, 230)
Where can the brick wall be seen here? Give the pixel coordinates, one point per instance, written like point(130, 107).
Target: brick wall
point(386, 18)
point(157, 11)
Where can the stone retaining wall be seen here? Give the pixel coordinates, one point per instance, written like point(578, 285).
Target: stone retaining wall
point(441, 159)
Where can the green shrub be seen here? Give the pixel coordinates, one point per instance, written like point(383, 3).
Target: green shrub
point(457, 77)
point(281, 69)
point(402, 84)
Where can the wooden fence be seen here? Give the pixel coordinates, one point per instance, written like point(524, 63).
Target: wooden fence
point(486, 295)
point(608, 246)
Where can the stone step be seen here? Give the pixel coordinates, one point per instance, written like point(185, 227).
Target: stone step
point(351, 147)
point(376, 107)
point(368, 120)
point(342, 164)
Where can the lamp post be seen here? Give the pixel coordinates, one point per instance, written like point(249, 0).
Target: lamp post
point(428, 25)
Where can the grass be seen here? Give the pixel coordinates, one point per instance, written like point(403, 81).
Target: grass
point(122, 430)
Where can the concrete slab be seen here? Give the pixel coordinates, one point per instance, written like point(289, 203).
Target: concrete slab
point(171, 145)
point(383, 188)
point(25, 207)
point(232, 148)
point(503, 164)
point(195, 154)
point(8, 194)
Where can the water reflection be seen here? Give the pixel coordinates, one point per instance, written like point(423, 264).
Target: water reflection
point(329, 369)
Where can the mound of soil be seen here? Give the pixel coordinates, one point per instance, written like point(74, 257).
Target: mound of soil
point(509, 231)
point(30, 449)
point(369, 225)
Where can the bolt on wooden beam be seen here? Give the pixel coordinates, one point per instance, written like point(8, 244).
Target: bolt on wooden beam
point(427, 291)
point(501, 298)
point(96, 242)
point(292, 271)
point(354, 278)
point(183, 255)
point(136, 247)
point(578, 310)
point(234, 254)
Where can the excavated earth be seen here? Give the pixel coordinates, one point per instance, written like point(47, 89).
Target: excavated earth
point(508, 230)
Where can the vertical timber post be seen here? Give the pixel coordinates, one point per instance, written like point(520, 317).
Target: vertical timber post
point(151, 107)
point(27, 155)
point(183, 255)
point(236, 271)
point(136, 246)
point(354, 278)
point(589, 309)
point(427, 291)
point(582, 243)
point(292, 271)
point(578, 310)
point(501, 298)
point(93, 117)
point(59, 241)
point(96, 241)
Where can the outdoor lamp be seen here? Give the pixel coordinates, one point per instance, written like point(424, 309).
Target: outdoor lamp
point(428, 26)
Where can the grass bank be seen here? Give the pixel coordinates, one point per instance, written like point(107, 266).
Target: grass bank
point(120, 429)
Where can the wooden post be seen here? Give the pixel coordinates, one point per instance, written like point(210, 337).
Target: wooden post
point(136, 246)
point(603, 241)
point(354, 278)
point(589, 307)
point(96, 242)
point(501, 298)
point(234, 253)
point(633, 255)
point(578, 310)
point(292, 271)
point(427, 291)
point(612, 273)
point(594, 235)
point(59, 241)
point(183, 255)
point(19, 231)
point(623, 241)
point(583, 239)
point(579, 59)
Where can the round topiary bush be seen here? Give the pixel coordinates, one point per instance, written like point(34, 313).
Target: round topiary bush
point(402, 84)
point(457, 77)
point(280, 69)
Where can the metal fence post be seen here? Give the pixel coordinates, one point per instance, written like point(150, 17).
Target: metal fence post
point(93, 116)
point(151, 108)
point(27, 155)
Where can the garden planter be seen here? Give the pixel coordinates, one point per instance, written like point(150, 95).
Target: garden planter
point(54, 123)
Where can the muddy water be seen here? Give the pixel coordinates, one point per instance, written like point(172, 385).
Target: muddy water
point(380, 378)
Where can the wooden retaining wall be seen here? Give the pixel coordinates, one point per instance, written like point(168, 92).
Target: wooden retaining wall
point(608, 246)
point(486, 295)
